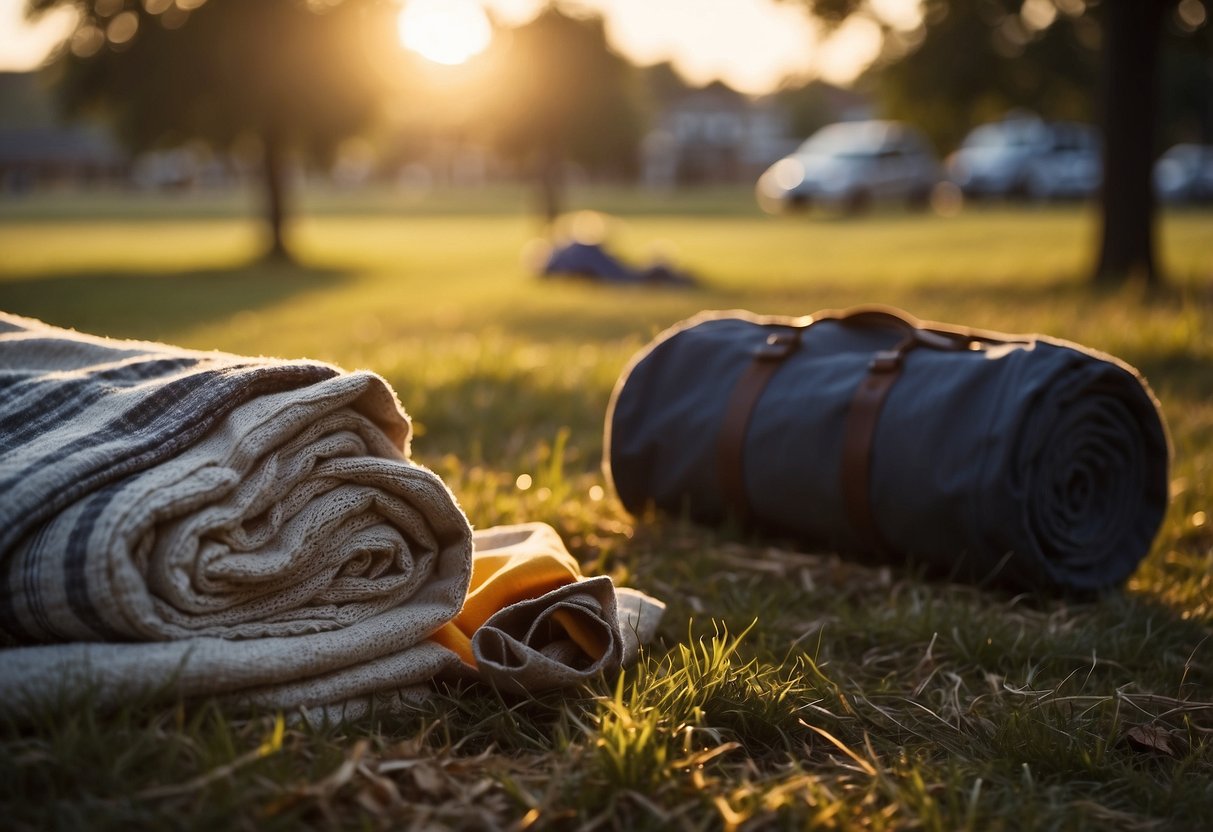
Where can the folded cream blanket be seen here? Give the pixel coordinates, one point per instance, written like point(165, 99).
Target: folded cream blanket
point(208, 524)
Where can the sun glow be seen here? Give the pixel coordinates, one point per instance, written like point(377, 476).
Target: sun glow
point(445, 31)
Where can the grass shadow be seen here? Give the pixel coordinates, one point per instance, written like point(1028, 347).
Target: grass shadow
point(528, 411)
point(159, 305)
point(611, 312)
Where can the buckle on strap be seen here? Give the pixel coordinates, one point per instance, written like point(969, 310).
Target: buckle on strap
point(887, 361)
point(779, 345)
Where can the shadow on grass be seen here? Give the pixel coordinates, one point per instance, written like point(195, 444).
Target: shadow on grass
point(526, 413)
point(1007, 305)
point(948, 289)
point(607, 312)
point(1176, 375)
point(945, 297)
point(158, 305)
point(613, 311)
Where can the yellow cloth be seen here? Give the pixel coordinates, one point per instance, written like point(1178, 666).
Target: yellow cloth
point(513, 566)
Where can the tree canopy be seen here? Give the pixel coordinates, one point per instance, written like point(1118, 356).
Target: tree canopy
point(562, 95)
point(976, 60)
point(1064, 58)
point(283, 76)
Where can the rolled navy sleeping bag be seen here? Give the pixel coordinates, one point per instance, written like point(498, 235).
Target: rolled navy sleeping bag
point(1022, 461)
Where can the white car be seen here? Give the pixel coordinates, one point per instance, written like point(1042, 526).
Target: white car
point(1027, 157)
point(1185, 174)
point(850, 165)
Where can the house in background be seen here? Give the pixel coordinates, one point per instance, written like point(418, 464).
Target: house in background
point(716, 135)
point(36, 150)
point(53, 156)
point(712, 135)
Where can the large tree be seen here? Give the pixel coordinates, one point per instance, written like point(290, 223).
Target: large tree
point(282, 76)
point(561, 95)
point(1128, 114)
point(1000, 53)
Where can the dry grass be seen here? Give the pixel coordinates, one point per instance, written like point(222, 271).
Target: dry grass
point(788, 689)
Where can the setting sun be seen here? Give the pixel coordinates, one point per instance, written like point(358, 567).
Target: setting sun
point(445, 31)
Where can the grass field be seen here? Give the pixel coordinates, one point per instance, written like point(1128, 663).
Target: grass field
point(788, 689)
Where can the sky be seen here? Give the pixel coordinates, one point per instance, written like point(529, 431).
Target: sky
point(752, 45)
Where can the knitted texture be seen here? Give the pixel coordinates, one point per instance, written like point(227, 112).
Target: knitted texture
point(223, 525)
point(193, 523)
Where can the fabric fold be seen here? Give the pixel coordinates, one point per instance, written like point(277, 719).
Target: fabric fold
point(533, 622)
point(183, 523)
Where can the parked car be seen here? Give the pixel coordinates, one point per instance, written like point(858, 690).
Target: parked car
point(850, 165)
point(1185, 174)
point(1028, 157)
point(1070, 165)
point(993, 159)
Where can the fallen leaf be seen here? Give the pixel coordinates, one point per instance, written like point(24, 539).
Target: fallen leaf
point(1155, 739)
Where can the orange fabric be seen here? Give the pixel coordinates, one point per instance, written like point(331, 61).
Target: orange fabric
point(453, 639)
point(510, 573)
point(589, 639)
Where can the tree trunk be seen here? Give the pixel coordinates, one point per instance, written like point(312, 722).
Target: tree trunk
point(549, 176)
point(275, 182)
point(1131, 33)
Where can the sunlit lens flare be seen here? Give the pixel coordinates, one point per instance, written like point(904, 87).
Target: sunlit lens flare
point(445, 31)
point(788, 173)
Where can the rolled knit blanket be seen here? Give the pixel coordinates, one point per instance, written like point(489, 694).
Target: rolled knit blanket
point(207, 524)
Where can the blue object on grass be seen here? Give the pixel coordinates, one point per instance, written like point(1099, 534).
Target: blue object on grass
point(593, 261)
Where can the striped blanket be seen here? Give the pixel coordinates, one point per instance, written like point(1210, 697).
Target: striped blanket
point(208, 524)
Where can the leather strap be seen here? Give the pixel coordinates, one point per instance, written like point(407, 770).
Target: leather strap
point(745, 395)
point(864, 413)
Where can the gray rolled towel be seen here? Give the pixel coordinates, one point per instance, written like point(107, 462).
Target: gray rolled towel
point(1023, 460)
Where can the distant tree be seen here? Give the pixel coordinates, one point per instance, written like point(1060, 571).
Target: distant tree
point(663, 85)
point(1128, 99)
point(1126, 34)
point(292, 76)
point(562, 95)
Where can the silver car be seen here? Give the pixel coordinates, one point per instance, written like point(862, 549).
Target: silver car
point(1023, 156)
point(850, 165)
point(1185, 174)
